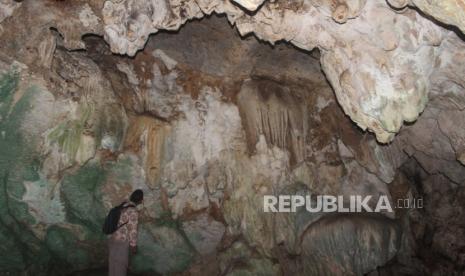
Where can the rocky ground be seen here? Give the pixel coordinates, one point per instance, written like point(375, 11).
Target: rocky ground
point(209, 105)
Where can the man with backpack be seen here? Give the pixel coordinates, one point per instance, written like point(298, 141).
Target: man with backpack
point(121, 223)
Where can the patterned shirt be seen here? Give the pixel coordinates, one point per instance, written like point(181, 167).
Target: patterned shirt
point(127, 232)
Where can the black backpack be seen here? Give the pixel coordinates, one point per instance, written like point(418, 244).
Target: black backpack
point(111, 221)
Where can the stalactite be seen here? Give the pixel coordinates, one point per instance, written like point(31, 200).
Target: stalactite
point(276, 112)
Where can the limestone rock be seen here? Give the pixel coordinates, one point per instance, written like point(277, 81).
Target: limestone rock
point(98, 98)
point(240, 260)
point(7, 8)
point(448, 12)
point(366, 235)
point(280, 118)
point(204, 233)
point(251, 5)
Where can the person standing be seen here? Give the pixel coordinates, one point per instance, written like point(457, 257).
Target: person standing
point(124, 239)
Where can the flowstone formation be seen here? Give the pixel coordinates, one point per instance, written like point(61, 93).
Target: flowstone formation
point(210, 105)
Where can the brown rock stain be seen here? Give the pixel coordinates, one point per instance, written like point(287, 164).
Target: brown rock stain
point(147, 135)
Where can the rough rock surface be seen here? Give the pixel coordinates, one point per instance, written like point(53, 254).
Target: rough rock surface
point(379, 69)
point(209, 117)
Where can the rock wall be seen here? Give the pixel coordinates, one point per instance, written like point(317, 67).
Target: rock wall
point(209, 119)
